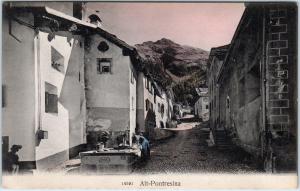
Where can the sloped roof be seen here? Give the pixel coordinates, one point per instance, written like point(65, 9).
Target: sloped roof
point(44, 10)
point(111, 37)
point(67, 17)
point(114, 39)
point(219, 52)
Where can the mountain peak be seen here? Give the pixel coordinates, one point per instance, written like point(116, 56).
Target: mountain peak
point(173, 64)
point(165, 40)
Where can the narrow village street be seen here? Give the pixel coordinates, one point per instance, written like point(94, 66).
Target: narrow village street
point(99, 88)
point(188, 152)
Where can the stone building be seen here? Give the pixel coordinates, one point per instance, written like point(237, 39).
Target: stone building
point(201, 106)
point(214, 63)
point(257, 85)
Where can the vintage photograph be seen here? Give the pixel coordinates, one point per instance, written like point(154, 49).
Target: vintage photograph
point(123, 89)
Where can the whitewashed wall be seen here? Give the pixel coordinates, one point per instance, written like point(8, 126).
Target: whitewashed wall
point(57, 125)
point(18, 78)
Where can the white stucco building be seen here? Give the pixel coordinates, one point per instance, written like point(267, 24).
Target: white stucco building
point(145, 103)
point(201, 107)
point(111, 80)
point(161, 107)
point(43, 105)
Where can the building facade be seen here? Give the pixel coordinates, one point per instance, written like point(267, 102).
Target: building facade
point(258, 85)
point(42, 61)
point(201, 106)
point(111, 85)
point(145, 103)
point(63, 79)
point(215, 61)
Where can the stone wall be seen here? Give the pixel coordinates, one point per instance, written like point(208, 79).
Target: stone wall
point(279, 66)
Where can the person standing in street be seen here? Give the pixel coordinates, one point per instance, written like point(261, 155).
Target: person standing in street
point(12, 159)
point(145, 148)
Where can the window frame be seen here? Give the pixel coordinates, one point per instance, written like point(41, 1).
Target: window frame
point(99, 66)
point(49, 97)
point(147, 104)
point(58, 64)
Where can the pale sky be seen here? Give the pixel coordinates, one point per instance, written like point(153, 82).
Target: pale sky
point(202, 25)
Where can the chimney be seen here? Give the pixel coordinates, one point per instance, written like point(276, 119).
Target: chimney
point(78, 9)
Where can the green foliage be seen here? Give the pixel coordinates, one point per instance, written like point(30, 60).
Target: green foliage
point(185, 91)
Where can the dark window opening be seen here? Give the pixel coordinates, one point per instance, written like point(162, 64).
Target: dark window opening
point(162, 125)
point(103, 46)
point(104, 65)
point(57, 60)
point(147, 104)
point(3, 96)
point(51, 99)
point(105, 69)
point(253, 82)
point(162, 110)
point(132, 77)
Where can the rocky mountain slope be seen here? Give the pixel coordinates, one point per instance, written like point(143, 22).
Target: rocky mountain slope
point(177, 66)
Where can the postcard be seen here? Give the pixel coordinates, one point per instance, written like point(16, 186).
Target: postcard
point(131, 95)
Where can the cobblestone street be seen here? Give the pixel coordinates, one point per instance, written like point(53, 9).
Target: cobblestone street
point(188, 152)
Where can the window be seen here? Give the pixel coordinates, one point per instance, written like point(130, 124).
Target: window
point(132, 77)
point(147, 104)
point(162, 110)
point(51, 99)
point(158, 107)
point(103, 46)
point(148, 85)
point(3, 96)
point(57, 60)
point(254, 83)
point(206, 106)
point(104, 66)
